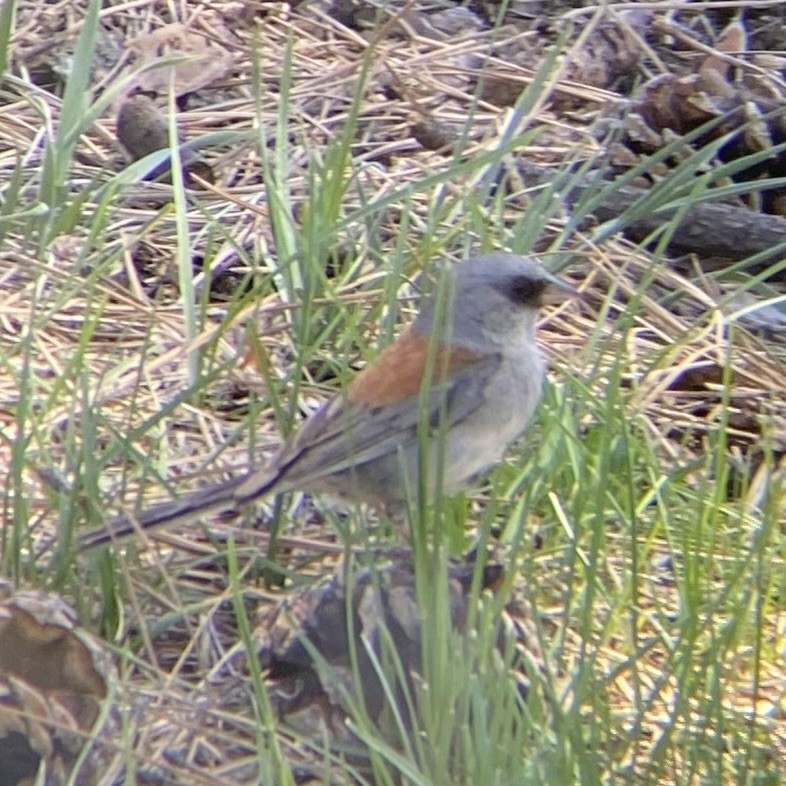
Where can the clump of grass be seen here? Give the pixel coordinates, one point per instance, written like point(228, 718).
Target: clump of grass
point(643, 529)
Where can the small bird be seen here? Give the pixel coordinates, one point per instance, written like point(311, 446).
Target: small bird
point(441, 403)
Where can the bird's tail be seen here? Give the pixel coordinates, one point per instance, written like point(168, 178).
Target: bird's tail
point(218, 497)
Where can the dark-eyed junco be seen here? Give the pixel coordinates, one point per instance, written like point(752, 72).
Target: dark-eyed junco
point(440, 404)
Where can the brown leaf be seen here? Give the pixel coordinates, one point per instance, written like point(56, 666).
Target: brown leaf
point(52, 685)
point(383, 606)
point(199, 61)
point(734, 38)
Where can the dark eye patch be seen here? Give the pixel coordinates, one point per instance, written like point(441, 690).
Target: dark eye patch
point(524, 289)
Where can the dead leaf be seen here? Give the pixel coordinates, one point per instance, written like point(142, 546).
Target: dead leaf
point(734, 38)
point(186, 59)
point(52, 685)
point(383, 606)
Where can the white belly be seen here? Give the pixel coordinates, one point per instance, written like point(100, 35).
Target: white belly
point(481, 440)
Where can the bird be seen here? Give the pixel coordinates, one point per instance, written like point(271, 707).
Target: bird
point(435, 410)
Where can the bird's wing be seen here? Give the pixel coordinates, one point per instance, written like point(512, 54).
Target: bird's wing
point(342, 435)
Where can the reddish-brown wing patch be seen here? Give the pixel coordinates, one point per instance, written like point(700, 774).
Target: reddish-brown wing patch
point(397, 373)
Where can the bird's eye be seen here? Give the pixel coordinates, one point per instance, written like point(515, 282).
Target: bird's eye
point(525, 290)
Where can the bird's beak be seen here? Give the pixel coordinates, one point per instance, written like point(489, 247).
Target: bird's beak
point(557, 292)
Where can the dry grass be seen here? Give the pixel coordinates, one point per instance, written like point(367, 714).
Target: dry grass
point(94, 327)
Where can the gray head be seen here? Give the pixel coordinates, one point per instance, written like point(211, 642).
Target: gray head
point(492, 299)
